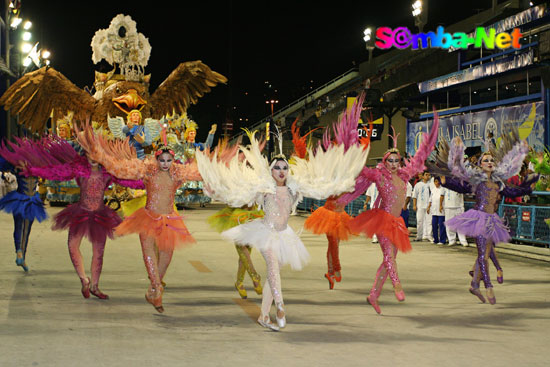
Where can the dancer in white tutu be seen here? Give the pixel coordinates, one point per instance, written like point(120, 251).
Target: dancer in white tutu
point(277, 190)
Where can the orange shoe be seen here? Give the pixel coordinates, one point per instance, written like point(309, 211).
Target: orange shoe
point(330, 278)
point(338, 276)
point(157, 301)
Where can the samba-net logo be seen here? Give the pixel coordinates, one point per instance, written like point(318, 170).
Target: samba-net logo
point(402, 38)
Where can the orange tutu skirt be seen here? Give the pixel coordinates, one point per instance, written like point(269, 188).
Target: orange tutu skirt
point(325, 221)
point(382, 223)
point(168, 230)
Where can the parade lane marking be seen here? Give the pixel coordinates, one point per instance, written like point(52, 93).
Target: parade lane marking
point(199, 266)
point(249, 307)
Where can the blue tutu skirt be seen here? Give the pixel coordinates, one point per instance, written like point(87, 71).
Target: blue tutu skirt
point(27, 207)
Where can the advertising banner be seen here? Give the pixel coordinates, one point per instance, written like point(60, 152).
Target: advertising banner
point(477, 127)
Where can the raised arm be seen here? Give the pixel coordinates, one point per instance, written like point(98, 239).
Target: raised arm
point(512, 191)
point(362, 183)
point(454, 184)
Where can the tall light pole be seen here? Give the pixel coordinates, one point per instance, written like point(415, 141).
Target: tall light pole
point(369, 41)
point(420, 14)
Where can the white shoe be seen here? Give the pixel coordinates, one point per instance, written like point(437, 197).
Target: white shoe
point(266, 322)
point(440, 243)
point(452, 243)
point(465, 244)
point(280, 321)
point(374, 241)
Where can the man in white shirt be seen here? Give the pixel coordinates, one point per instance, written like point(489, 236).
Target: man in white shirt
point(405, 210)
point(372, 195)
point(453, 203)
point(435, 208)
point(421, 198)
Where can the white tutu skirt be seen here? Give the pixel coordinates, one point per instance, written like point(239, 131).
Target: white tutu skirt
point(285, 244)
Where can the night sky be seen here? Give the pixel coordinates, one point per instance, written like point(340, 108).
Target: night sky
point(296, 46)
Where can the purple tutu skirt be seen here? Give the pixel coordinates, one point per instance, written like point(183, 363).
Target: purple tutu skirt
point(95, 225)
point(475, 223)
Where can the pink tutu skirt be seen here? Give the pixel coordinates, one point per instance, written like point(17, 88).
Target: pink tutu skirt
point(95, 225)
point(475, 223)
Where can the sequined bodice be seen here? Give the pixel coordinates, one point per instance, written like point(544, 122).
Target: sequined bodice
point(487, 197)
point(392, 194)
point(161, 191)
point(92, 190)
point(26, 185)
point(277, 208)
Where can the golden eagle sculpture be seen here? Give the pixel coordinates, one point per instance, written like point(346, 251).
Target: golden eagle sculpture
point(41, 93)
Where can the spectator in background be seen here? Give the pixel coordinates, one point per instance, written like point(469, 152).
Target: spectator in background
point(517, 180)
point(435, 208)
point(453, 205)
point(372, 195)
point(421, 198)
point(405, 210)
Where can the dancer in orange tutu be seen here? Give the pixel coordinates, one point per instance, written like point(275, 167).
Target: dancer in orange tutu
point(331, 219)
point(160, 227)
point(385, 219)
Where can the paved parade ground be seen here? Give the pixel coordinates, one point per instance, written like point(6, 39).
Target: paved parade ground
point(44, 320)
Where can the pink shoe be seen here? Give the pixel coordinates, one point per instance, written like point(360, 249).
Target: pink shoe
point(399, 294)
point(374, 303)
point(85, 287)
point(99, 294)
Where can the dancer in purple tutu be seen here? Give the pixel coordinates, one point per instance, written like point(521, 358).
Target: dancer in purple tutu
point(56, 159)
point(487, 181)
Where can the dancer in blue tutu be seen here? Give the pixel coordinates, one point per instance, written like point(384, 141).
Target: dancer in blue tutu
point(25, 205)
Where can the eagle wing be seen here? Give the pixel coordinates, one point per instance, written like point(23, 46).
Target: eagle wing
point(35, 95)
point(185, 85)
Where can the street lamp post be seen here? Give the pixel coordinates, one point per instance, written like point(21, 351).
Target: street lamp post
point(420, 14)
point(369, 41)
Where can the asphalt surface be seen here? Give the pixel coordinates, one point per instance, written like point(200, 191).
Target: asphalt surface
point(44, 320)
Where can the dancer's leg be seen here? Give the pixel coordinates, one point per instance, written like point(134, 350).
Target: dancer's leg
point(25, 233)
point(98, 250)
point(493, 256)
point(17, 230)
point(149, 250)
point(18, 234)
point(273, 283)
point(246, 264)
point(74, 241)
point(390, 253)
point(239, 286)
point(333, 261)
point(165, 258)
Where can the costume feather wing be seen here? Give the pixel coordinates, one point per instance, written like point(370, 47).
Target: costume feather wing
point(416, 163)
point(330, 172)
point(185, 85)
point(115, 125)
point(509, 155)
point(239, 181)
point(35, 95)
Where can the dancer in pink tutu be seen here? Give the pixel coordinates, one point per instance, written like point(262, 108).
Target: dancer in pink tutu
point(385, 219)
point(487, 181)
point(56, 159)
